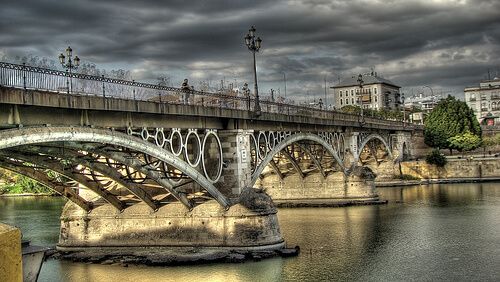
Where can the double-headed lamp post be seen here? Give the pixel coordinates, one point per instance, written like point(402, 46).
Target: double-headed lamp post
point(253, 45)
point(73, 63)
point(360, 82)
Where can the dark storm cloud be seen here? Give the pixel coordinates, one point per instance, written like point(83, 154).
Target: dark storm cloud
point(447, 44)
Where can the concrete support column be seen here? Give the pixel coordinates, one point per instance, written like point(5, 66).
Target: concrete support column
point(351, 140)
point(397, 141)
point(360, 183)
point(237, 171)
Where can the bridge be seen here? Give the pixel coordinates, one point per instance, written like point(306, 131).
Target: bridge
point(150, 165)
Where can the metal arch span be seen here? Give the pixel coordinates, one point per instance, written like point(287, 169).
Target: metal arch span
point(42, 178)
point(75, 158)
point(27, 136)
point(367, 139)
point(290, 140)
point(56, 167)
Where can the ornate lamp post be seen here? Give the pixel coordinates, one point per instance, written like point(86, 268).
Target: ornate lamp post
point(253, 45)
point(403, 103)
point(360, 82)
point(69, 66)
point(284, 80)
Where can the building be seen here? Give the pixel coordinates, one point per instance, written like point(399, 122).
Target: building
point(376, 93)
point(485, 100)
point(425, 103)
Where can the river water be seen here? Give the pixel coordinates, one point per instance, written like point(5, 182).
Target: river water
point(425, 233)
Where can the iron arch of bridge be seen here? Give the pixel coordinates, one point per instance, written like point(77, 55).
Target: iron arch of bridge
point(295, 138)
point(368, 139)
point(42, 178)
point(36, 135)
point(76, 158)
point(55, 166)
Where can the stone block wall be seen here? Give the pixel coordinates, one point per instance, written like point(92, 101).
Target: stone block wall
point(314, 187)
point(10, 254)
point(453, 169)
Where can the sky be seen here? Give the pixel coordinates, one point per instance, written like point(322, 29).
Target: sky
point(443, 45)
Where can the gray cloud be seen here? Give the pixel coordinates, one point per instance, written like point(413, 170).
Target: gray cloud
point(446, 44)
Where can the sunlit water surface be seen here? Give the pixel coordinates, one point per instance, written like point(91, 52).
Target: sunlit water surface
point(425, 233)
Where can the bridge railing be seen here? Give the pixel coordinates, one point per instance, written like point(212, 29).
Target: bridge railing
point(36, 78)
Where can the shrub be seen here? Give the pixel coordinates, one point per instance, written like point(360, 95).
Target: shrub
point(436, 158)
point(406, 177)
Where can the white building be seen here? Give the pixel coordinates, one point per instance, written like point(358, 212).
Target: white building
point(376, 93)
point(425, 103)
point(484, 99)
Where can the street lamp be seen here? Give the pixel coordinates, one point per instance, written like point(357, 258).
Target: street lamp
point(69, 66)
point(253, 45)
point(284, 79)
point(403, 102)
point(360, 82)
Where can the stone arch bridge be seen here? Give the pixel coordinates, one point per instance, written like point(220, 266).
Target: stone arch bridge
point(114, 147)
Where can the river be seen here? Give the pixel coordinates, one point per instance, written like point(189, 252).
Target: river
point(425, 233)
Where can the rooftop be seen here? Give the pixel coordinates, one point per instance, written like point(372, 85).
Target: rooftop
point(367, 79)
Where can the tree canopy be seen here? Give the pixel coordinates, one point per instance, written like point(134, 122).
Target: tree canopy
point(451, 118)
point(465, 142)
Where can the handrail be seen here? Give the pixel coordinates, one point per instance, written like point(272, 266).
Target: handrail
point(29, 77)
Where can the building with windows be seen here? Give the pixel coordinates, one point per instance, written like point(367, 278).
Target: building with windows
point(376, 93)
point(425, 103)
point(485, 100)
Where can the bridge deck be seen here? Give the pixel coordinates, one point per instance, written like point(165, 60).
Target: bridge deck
point(46, 107)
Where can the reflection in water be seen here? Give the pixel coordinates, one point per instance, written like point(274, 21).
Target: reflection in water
point(435, 194)
point(436, 232)
point(335, 242)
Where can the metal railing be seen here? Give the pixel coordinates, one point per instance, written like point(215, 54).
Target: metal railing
point(36, 78)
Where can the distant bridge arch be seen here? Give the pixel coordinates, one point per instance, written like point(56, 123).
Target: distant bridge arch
point(292, 139)
point(372, 137)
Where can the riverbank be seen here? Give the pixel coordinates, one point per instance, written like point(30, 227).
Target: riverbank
point(30, 195)
point(335, 203)
point(396, 183)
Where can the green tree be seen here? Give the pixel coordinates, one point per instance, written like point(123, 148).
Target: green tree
point(14, 183)
point(490, 141)
point(465, 142)
point(436, 158)
point(449, 118)
point(351, 109)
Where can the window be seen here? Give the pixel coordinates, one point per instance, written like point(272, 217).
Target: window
point(484, 107)
point(341, 102)
point(376, 100)
point(340, 93)
point(347, 101)
point(352, 92)
point(375, 90)
point(357, 91)
point(353, 101)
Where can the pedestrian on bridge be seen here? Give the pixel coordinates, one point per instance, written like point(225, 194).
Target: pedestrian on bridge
point(186, 89)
